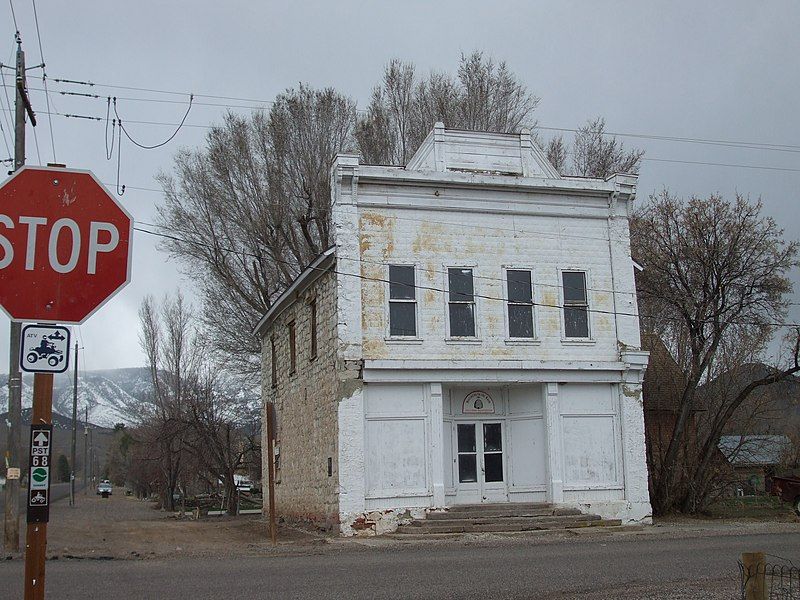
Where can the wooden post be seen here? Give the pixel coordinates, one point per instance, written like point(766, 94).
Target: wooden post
point(270, 409)
point(754, 576)
point(36, 535)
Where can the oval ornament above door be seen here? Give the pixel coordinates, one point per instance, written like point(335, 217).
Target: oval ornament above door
point(478, 403)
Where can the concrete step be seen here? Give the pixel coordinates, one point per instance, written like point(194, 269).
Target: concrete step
point(510, 522)
point(461, 526)
point(510, 506)
point(488, 520)
point(502, 513)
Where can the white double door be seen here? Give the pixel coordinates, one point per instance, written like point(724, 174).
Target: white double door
point(480, 462)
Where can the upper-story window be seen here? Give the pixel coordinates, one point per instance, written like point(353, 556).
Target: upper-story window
point(576, 304)
point(312, 321)
point(461, 302)
point(292, 349)
point(520, 304)
point(274, 361)
point(402, 301)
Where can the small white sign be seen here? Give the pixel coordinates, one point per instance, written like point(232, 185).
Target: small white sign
point(12, 473)
point(44, 349)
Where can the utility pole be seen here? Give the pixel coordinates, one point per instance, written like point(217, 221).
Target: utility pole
point(85, 451)
point(22, 105)
point(74, 430)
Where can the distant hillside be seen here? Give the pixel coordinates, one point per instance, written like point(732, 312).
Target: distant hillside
point(114, 395)
point(111, 396)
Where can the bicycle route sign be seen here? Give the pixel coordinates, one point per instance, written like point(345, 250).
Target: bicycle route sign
point(44, 349)
point(39, 474)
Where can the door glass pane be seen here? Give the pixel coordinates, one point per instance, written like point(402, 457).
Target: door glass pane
point(403, 318)
point(466, 438)
point(467, 471)
point(520, 320)
point(462, 320)
point(494, 467)
point(492, 437)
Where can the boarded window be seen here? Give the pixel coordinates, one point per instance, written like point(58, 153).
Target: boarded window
point(461, 302)
point(520, 304)
point(312, 306)
point(292, 349)
point(274, 361)
point(402, 301)
point(576, 304)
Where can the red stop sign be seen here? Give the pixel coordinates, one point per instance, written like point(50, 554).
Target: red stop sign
point(65, 245)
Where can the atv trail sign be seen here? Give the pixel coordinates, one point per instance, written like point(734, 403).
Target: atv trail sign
point(44, 349)
point(65, 245)
point(39, 475)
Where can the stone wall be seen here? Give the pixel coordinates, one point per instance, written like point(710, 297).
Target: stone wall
point(306, 408)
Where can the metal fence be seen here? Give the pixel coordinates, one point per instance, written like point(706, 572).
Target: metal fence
point(777, 580)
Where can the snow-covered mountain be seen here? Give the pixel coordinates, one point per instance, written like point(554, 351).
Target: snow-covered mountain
point(114, 395)
point(111, 396)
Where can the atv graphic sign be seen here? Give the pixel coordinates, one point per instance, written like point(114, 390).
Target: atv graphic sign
point(44, 349)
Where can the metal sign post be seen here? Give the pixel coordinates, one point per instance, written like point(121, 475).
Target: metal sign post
point(40, 449)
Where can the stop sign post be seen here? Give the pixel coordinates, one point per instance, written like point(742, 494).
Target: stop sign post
point(64, 245)
point(65, 249)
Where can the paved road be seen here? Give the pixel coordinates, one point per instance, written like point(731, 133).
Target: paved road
point(57, 492)
point(609, 567)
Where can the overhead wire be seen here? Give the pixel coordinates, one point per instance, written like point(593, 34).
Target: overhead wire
point(13, 15)
point(158, 145)
point(44, 81)
point(432, 288)
point(198, 126)
point(684, 139)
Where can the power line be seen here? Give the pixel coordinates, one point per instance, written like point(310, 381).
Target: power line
point(715, 164)
point(44, 81)
point(13, 15)
point(198, 126)
point(165, 142)
point(691, 140)
point(684, 139)
point(435, 289)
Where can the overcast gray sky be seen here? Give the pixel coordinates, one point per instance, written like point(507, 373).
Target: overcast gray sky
point(715, 70)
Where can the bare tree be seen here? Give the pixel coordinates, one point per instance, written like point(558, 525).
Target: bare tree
point(222, 432)
point(246, 213)
point(484, 96)
point(713, 288)
point(166, 337)
point(594, 152)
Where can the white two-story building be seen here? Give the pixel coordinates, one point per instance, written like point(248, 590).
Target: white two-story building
point(472, 337)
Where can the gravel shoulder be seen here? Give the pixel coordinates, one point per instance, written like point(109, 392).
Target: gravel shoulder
point(122, 527)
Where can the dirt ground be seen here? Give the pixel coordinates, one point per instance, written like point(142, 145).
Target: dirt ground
point(124, 527)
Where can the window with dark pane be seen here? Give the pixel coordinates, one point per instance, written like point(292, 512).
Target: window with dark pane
point(292, 348)
point(312, 306)
point(520, 303)
point(461, 302)
point(402, 301)
point(274, 361)
point(467, 453)
point(492, 452)
point(576, 304)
